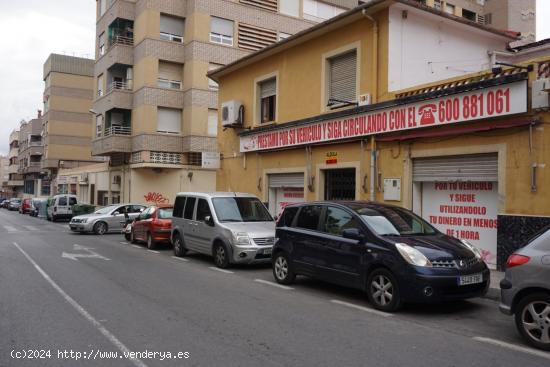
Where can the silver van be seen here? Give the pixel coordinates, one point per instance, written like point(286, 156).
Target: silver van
point(234, 228)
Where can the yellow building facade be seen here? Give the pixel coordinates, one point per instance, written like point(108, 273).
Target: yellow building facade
point(464, 147)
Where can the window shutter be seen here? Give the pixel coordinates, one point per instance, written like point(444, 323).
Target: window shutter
point(169, 120)
point(221, 26)
point(255, 38)
point(172, 25)
point(268, 88)
point(342, 77)
point(170, 71)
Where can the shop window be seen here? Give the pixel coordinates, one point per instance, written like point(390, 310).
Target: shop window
point(342, 79)
point(268, 100)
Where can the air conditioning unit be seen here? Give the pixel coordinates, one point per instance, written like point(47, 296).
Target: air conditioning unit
point(364, 99)
point(540, 94)
point(117, 180)
point(232, 113)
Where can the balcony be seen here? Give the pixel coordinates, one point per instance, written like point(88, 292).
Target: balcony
point(33, 167)
point(14, 183)
point(117, 133)
point(118, 130)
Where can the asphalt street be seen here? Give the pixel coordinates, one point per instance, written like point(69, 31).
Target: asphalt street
point(91, 295)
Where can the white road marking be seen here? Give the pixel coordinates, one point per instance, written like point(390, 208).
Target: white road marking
point(106, 333)
point(180, 258)
point(136, 246)
point(10, 229)
point(31, 228)
point(362, 308)
point(517, 348)
point(221, 270)
point(153, 251)
point(273, 284)
point(89, 253)
point(124, 243)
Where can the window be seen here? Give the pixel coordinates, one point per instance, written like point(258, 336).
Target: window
point(169, 120)
point(309, 217)
point(178, 206)
point(318, 11)
point(437, 4)
point(170, 75)
point(470, 15)
point(449, 8)
point(98, 125)
point(212, 84)
point(289, 7)
point(342, 79)
point(268, 100)
point(212, 122)
point(172, 28)
point(72, 201)
point(221, 31)
point(240, 209)
point(100, 85)
point(203, 210)
point(336, 220)
point(102, 44)
point(189, 208)
point(287, 216)
point(102, 7)
point(394, 221)
point(62, 201)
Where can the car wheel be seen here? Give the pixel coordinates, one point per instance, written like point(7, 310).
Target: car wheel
point(150, 242)
point(382, 290)
point(221, 256)
point(128, 237)
point(132, 236)
point(179, 246)
point(533, 320)
point(100, 228)
point(54, 218)
point(282, 270)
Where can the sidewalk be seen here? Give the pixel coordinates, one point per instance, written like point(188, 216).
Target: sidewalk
point(494, 290)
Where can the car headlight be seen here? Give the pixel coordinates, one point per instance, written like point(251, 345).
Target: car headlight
point(242, 239)
point(412, 255)
point(472, 248)
point(85, 220)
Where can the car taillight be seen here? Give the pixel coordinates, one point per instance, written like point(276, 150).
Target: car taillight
point(516, 260)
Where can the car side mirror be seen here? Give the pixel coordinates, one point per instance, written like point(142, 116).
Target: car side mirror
point(353, 234)
point(209, 220)
point(116, 213)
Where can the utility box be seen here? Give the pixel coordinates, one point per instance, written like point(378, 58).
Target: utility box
point(392, 189)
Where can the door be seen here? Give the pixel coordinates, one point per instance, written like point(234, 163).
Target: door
point(285, 189)
point(148, 217)
point(189, 224)
point(340, 184)
point(114, 220)
point(308, 240)
point(138, 227)
point(203, 232)
point(342, 256)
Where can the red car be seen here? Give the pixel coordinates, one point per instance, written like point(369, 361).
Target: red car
point(153, 225)
point(25, 206)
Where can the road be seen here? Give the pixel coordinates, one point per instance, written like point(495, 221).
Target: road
point(122, 297)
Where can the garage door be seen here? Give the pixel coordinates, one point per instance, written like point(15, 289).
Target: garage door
point(285, 189)
point(459, 196)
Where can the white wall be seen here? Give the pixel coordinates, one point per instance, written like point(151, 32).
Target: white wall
point(424, 48)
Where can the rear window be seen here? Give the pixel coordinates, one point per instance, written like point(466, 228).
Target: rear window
point(287, 216)
point(165, 213)
point(189, 208)
point(62, 201)
point(309, 217)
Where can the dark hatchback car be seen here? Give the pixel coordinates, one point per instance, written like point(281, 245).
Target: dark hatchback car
point(387, 251)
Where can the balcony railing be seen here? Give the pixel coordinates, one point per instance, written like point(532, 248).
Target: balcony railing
point(118, 86)
point(35, 144)
point(121, 40)
point(35, 164)
point(118, 130)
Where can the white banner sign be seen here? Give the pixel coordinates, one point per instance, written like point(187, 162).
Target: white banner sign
point(502, 100)
point(465, 210)
point(211, 160)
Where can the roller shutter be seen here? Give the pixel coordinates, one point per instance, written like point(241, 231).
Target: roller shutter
point(475, 167)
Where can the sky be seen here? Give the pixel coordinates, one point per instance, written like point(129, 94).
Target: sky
point(33, 29)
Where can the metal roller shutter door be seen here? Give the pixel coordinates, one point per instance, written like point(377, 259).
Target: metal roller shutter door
point(475, 167)
point(286, 180)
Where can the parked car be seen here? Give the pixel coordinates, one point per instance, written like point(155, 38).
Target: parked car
point(525, 290)
point(25, 206)
point(60, 207)
point(38, 208)
point(231, 227)
point(107, 219)
point(14, 204)
point(387, 251)
point(153, 225)
point(4, 203)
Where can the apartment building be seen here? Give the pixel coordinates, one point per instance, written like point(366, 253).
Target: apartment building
point(512, 15)
point(155, 110)
point(4, 177)
point(67, 121)
point(30, 153)
point(14, 184)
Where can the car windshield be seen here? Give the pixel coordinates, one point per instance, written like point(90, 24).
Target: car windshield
point(390, 221)
point(106, 210)
point(240, 209)
point(165, 213)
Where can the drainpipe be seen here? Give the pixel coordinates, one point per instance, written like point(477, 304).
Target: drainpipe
point(374, 99)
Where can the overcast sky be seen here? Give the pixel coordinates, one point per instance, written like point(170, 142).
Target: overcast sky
point(33, 29)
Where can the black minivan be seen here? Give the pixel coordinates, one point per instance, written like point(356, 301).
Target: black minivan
point(387, 251)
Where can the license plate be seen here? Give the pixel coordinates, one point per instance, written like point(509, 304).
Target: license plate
point(470, 279)
point(267, 251)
